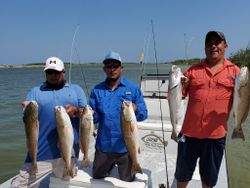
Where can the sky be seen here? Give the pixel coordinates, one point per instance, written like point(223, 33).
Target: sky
point(86, 30)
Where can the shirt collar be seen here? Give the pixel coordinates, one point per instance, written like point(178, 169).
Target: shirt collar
point(45, 86)
point(121, 82)
point(226, 63)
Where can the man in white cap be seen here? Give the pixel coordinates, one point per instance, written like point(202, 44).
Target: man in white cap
point(106, 100)
point(53, 92)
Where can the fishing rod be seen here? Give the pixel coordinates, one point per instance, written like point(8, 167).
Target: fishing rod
point(71, 52)
point(84, 78)
point(187, 45)
point(157, 71)
point(78, 58)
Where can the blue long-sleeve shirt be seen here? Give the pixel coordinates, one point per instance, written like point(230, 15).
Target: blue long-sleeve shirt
point(107, 104)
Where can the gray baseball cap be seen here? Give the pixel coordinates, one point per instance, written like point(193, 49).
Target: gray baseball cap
point(217, 34)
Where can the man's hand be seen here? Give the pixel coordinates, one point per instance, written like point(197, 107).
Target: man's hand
point(25, 103)
point(184, 81)
point(71, 110)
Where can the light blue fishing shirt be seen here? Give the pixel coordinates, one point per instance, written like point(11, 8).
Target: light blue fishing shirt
point(47, 98)
point(107, 105)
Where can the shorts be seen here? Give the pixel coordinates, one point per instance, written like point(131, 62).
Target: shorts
point(104, 162)
point(210, 153)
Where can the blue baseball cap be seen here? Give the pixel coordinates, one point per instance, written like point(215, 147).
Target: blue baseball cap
point(112, 56)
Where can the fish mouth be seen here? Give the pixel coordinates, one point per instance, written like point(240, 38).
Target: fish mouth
point(58, 108)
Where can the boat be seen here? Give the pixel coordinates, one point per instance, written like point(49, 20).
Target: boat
point(158, 151)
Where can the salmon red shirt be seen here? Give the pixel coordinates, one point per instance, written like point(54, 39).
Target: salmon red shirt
point(210, 100)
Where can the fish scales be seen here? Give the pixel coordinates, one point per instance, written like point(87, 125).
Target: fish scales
point(66, 138)
point(130, 134)
point(86, 132)
point(241, 101)
point(30, 119)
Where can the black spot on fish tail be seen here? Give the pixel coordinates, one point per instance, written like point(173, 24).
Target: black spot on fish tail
point(136, 168)
point(238, 133)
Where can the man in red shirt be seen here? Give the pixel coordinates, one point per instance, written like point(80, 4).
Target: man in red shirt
point(209, 85)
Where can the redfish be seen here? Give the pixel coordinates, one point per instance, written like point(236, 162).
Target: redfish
point(177, 106)
point(241, 101)
point(86, 131)
point(66, 138)
point(130, 134)
point(30, 119)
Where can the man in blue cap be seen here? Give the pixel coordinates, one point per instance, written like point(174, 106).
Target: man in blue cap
point(106, 100)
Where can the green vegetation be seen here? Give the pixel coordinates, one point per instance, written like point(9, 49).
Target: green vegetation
point(241, 58)
point(186, 62)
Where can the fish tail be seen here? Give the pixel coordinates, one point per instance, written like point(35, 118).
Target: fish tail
point(67, 172)
point(238, 133)
point(174, 136)
point(136, 168)
point(34, 167)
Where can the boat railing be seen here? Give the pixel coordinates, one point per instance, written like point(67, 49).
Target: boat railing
point(154, 85)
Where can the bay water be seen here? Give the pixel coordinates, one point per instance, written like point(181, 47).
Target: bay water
point(15, 83)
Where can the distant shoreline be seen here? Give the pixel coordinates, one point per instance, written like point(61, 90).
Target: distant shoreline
point(39, 65)
point(19, 66)
point(42, 65)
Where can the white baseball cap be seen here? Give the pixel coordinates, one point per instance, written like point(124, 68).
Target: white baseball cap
point(114, 56)
point(54, 63)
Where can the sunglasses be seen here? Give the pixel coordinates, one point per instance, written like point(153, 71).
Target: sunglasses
point(211, 43)
point(53, 72)
point(115, 66)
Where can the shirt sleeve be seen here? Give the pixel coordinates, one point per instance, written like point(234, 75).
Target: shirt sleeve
point(31, 95)
point(92, 103)
point(141, 112)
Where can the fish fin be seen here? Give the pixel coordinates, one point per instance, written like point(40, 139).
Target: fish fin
point(238, 133)
point(67, 172)
point(37, 124)
point(136, 168)
point(94, 132)
point(139, 150)
point(132, 127)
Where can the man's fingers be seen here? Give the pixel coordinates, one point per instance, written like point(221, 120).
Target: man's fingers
point(25, 103)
